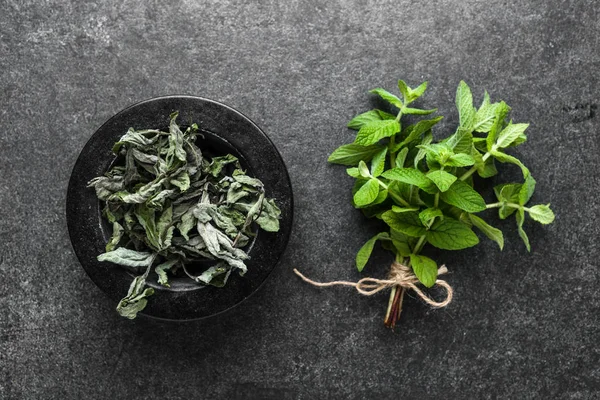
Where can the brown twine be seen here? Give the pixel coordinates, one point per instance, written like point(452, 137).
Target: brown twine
point(400, 275)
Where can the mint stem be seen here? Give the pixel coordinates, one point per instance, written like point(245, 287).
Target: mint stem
point(394, 309)
point(399, 115)
point(419, 245)
point(397, 197)
point(502, 203)
point(474, 168)
point(393, 143)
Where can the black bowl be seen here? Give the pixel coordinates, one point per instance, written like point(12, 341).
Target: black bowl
point(224, 130)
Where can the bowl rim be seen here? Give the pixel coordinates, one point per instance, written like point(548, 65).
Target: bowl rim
point(197, 104)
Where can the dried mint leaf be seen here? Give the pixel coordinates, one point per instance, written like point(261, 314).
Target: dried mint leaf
point(171, 206)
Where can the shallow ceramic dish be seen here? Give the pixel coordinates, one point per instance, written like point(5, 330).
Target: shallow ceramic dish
point(225, 130)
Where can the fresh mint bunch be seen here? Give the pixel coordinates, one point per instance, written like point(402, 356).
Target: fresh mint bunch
point(173, 207)
point(424, 190)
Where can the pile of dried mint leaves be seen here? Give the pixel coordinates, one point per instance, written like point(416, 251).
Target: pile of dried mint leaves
point(424, 190)
point(170, 207)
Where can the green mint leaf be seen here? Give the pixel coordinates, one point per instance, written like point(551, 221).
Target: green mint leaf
point(542, 214)
point(485, 169)
point(358, 183)
point(128, 258)
point(367, 193)
point(509, 134)
point(378, 163)
point(427, 139)
point(375, 131)
point(488, 230)
point(422, 127)
point(484, 118)
point(437, 153)
point(363, 170)
point(519, 140)
point(425, 269)
point(363, 255)
point(479, 143)
point(442, 179)
point(412, 177)
point(508, 192)
point(409, 94)
point(460, 160)
point(352, 154)
point(418, 91)
point(365, 118)
point(520, 216)
point(402, 243)
point(373, 212)
point(416, 131)
point(505, 158)
point(405, 90)
point(450, 234)
point(463, 196)
point(501, 112)
point(386, 115)
point(398, 209)
point(461, 141)
point(381, 197)
point(362, 119)
point(429, 214)
point(526, 190)
point(464, 104)
point(387, 96)
point(401, 158)
point(417, 111)
point(353, 172)
point(407, 223)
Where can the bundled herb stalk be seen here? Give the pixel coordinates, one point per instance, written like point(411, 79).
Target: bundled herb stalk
point(176, 209)
point(424, 190)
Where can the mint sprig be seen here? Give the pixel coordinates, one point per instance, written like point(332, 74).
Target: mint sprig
point(424, 190)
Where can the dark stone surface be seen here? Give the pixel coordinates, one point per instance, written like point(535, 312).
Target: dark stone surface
point(521, 326)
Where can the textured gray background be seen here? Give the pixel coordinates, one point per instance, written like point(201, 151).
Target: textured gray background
point(521, 326)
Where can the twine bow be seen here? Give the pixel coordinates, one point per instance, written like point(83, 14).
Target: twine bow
point(400, 275)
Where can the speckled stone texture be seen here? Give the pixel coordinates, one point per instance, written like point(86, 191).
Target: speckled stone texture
point(521, 326)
